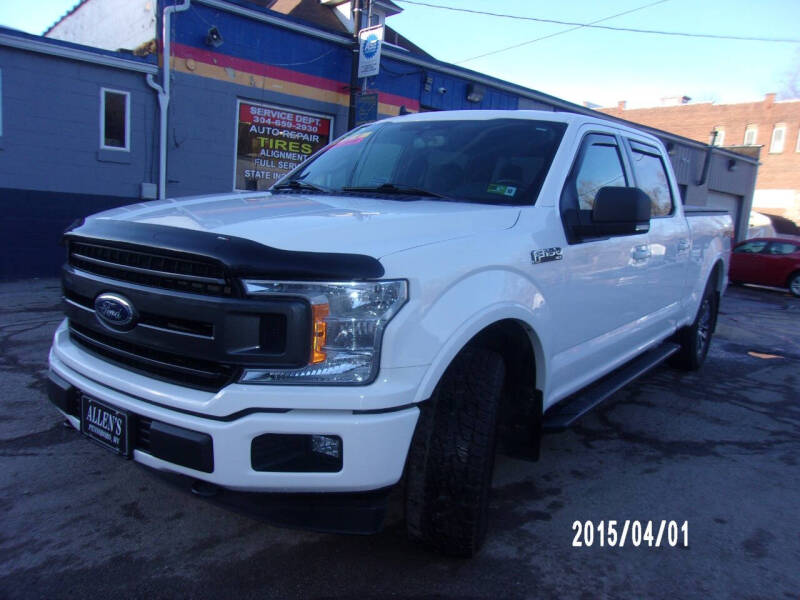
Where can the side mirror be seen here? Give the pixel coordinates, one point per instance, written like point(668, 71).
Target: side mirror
point(618, 211)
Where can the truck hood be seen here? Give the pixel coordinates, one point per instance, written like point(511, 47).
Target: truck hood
point(323, 223)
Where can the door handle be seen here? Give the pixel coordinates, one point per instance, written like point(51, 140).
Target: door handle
point(683, 245)
point(641, 252)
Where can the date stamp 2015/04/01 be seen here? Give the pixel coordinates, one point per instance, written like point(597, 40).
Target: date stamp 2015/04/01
point(632, 533)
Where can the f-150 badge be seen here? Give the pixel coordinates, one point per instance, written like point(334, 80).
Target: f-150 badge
point(546, 255)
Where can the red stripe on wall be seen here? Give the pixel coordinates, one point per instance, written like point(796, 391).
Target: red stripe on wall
point(264, 70)
point(256, 68)
point(396, 100)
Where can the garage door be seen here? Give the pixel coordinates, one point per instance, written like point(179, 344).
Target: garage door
point(731, 203)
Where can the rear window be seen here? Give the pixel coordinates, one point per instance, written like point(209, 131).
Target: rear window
point(751, 247)
point(782, 248)
point(497, 161)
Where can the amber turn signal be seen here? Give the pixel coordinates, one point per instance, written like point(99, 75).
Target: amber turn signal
point(319, 332)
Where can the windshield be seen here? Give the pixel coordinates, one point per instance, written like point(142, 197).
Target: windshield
point(497, 161)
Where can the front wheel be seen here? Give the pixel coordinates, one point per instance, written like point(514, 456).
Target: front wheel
point(695, 339)
point(450, 463)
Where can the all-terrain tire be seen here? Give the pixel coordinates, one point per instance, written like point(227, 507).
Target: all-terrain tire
point(695, 339)
point(450, 463)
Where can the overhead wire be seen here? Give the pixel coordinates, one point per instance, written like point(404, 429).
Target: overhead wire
point(562, 32)
point(593, 25)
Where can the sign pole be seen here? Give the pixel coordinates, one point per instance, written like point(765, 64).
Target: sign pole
point(357, 12)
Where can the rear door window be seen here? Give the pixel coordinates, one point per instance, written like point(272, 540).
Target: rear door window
point(781, 248)
point(650, 173)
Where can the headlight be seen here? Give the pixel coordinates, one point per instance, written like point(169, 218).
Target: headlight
point(348, 320)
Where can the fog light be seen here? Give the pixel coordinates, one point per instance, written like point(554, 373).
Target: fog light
point(296, 453)
point(326, 444)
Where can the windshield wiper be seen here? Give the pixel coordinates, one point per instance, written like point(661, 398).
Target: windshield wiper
point(295, 184)
point(392, 188)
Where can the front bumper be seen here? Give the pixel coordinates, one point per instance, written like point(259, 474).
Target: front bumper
point(374, 444)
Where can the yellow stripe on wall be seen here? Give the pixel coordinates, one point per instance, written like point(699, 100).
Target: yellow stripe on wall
point(229, 75)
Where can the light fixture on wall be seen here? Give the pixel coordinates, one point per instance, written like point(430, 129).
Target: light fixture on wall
point(732, 164)
point(214, 38)
point(475, 92)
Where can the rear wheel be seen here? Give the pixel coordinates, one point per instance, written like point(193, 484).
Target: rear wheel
point(695, 339)
point(451, 459)
point(794, 284)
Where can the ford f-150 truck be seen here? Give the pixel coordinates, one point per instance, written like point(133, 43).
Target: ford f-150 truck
point(424, 290)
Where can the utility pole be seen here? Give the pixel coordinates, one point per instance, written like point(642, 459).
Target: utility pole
point(357, 9)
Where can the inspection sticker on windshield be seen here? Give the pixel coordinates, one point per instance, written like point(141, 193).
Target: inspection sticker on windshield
point(355, 138)
point(503, 190)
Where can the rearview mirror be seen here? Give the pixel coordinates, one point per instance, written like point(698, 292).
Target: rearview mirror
point(618, 211)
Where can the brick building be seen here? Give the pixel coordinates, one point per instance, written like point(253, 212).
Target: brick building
point(769, 125)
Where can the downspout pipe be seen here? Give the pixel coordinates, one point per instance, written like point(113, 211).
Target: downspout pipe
point(707, 162)
point(163, 90)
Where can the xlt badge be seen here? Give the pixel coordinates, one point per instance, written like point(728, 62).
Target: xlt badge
point(546, 255)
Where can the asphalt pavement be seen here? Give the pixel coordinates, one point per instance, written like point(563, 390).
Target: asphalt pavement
point(717, 449)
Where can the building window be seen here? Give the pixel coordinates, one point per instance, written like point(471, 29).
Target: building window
point(750, 135)
point(778, 139)
point(718, 136)
point(115, 119)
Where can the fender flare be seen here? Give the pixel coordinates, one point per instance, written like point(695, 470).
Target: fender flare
point(494, 313)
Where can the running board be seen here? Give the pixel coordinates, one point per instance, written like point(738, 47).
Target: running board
point(569, 410)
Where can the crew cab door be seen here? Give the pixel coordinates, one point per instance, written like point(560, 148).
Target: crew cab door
point(599, 303)
point(669, 239)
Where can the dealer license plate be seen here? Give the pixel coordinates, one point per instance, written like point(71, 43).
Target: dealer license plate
point(105, 425)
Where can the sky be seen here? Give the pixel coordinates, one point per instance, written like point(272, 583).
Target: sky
point(598, 66)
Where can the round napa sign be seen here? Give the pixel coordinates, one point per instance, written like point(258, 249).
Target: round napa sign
point(370, 47)
point(115, 311)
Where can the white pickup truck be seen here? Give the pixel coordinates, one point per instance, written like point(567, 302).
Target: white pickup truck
point(421, 291)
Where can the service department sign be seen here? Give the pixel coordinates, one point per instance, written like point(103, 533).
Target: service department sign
point(271, 141)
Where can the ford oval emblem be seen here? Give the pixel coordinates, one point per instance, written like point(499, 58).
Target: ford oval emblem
point(114, 311)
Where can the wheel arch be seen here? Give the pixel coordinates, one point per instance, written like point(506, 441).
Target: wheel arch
point(500, 324)
point(521, 401)
point(791, 276)
point(718, 275)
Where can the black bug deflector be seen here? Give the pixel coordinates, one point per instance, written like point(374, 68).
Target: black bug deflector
point(241, 257)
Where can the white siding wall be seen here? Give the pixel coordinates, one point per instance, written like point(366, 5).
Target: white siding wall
point(781, 202)
point(109, 24)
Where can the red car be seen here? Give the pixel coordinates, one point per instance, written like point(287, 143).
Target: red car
point(767, 261)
